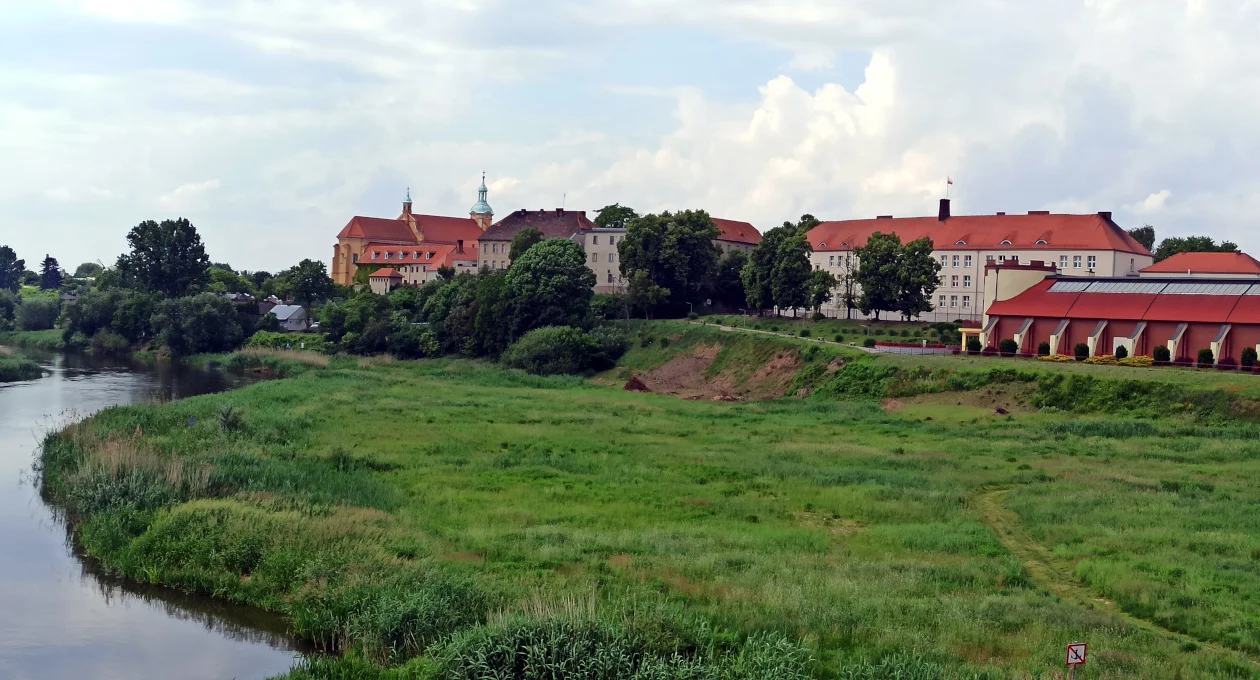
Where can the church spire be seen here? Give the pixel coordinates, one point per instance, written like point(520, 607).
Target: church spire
point(407, 202)
point(482, 213)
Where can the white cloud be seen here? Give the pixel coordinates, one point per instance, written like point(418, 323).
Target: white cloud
point(189, 196)
point(1152, 204)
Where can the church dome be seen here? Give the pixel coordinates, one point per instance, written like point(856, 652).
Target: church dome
point(482, 207)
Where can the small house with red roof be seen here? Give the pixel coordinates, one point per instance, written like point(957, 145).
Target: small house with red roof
point(384, 280)
point(1205, 265)
point(1077, 245)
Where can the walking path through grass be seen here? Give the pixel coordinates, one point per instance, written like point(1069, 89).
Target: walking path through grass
point(1056, 577)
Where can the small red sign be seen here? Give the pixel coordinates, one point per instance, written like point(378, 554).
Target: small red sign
point(1076, 654)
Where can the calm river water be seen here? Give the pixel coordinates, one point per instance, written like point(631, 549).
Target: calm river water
point(59, 616)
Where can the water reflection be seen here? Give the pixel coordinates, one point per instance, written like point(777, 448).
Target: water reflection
point(63, 617)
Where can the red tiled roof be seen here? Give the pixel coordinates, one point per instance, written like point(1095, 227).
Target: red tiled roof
point(435, 254)
point(985, 232)
point(739, 232)
point(1113, 306)
point(557, 223)
point(1192, 308)
point(1036, 301)
point(386, 273)
point(1206, 263)
point(437, 229)
point(378, 229)
point(1246, 311)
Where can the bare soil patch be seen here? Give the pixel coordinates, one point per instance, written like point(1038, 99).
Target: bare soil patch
point(1012, 397)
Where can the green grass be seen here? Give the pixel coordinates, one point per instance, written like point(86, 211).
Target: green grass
point(443, 518)
point(14, 366)
point(46, 340)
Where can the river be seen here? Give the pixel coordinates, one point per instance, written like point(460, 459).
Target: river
point(60, 617)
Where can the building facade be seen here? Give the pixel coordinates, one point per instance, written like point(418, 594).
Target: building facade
point(603, 259)
point(1078, 245)
point(496, 243)
point(364, 237)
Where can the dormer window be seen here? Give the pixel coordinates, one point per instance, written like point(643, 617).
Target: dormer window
point(1007, 242)
point(822, 245)
point(844, 244)
point(415, 255)
point(1042, 242)
point(428, 255)
point(388, 255)
point(374, 254)
point(961, 243)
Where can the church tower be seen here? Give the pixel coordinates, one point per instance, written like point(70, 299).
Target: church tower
point(482, 213)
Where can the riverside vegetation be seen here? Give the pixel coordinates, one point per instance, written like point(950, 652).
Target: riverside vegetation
point(449, 518)
point(14, 366)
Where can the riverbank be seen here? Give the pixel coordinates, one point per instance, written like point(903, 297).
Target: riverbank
point(14, 366)
point(430, 514)
point(50, 340)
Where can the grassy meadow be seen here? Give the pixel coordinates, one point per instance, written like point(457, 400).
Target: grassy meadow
point(450, 518)
point(14, 366)
point(46, 340)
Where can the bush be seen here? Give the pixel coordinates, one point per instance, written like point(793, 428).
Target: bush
point(973, 345)
point(818, 316)
point(1161, 354)
point(692, 316)
point(610, 344)
point(839, 339)
point(664, 342)
point(905, 333)
point(1206, 358)
point(38, 314)
point(1008, 347)
point(1122, 353)
point(869, 342)
point(1043, 350)
point(1248, 357)
point(879, 331)
point(1227, 364)
point(201, 323)
point(989, 351)
point(805, 333)
point(108, 342)
point(1081, 351)
point(554, 350)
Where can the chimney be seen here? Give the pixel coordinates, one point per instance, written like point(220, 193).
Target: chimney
point(1105, 215)
point(559, 211)
point(459, 246)
point(1001, 214)
point(884, 217)
point(944, 214)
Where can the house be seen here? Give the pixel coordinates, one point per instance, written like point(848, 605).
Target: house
point(352, 260)
point(292, 318)
point(736, 235)
point(384, 280)
point(1079, 245)
point(603, 258)
point(1205, 265)
point(496, 243)
point(1035, 303)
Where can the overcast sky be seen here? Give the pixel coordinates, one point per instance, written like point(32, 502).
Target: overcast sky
point(270, 123)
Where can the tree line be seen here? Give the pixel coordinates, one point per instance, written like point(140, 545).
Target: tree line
point(1179, 244)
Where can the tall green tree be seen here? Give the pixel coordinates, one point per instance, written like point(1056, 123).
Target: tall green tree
point(822, 286)
point(846, 283)
point(878, 275)
point(166, 257)
point(917, 280)
point(49, 274)
point(1144, 235)
point(727, 287)
point(643, 293)
point(523, 241)
point(1192, 244)
point(777, 273)
point(309, 282)
point(11, 270)
point(676, 250)
point(615, 216)
point(549, 286)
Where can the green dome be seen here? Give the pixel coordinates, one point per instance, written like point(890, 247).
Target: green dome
point(482, 207)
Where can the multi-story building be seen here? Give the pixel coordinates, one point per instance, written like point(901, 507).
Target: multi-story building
point(401, 238)
point(603, 259)
point(1078, 245)
point(496, 243)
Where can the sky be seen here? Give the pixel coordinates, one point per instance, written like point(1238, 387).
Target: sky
point(270, 123)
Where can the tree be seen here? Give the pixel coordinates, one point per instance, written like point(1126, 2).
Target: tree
point(1144, 235)
point(821, 285)
point(879, 262)
point(224, 280)
point(727, 285)
point(11, 269)
point(846, 280)
point(676, 250)
point(523, 241)
point(49, 274)
point(615, 216)
point(549, 286)
point(309, 282)
point(166, 258)
point(197, 324)
point(777, 273)
point(1192, 244)
point(38, 314)
point(917, 273)
point(88, 270)
point(645, 294)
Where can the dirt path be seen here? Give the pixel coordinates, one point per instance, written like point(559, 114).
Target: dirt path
point(1056, 577)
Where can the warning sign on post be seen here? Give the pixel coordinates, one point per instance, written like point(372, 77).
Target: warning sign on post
point(1076, 654)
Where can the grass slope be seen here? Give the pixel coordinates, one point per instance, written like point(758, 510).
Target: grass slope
point(47, 340)
point(14, 366)
point(451, 519)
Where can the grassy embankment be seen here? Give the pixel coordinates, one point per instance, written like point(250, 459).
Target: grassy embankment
point(14, 366)
point(479, 516)
point(46, 340)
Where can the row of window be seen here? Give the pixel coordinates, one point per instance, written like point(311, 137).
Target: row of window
point(953, 281)
point(612, 239)
point(494, 264)
point(612, 257)
point(966, 261)
point(612, 279)
point(953, 302)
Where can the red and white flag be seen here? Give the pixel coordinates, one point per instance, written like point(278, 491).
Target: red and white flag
point(949, 181)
